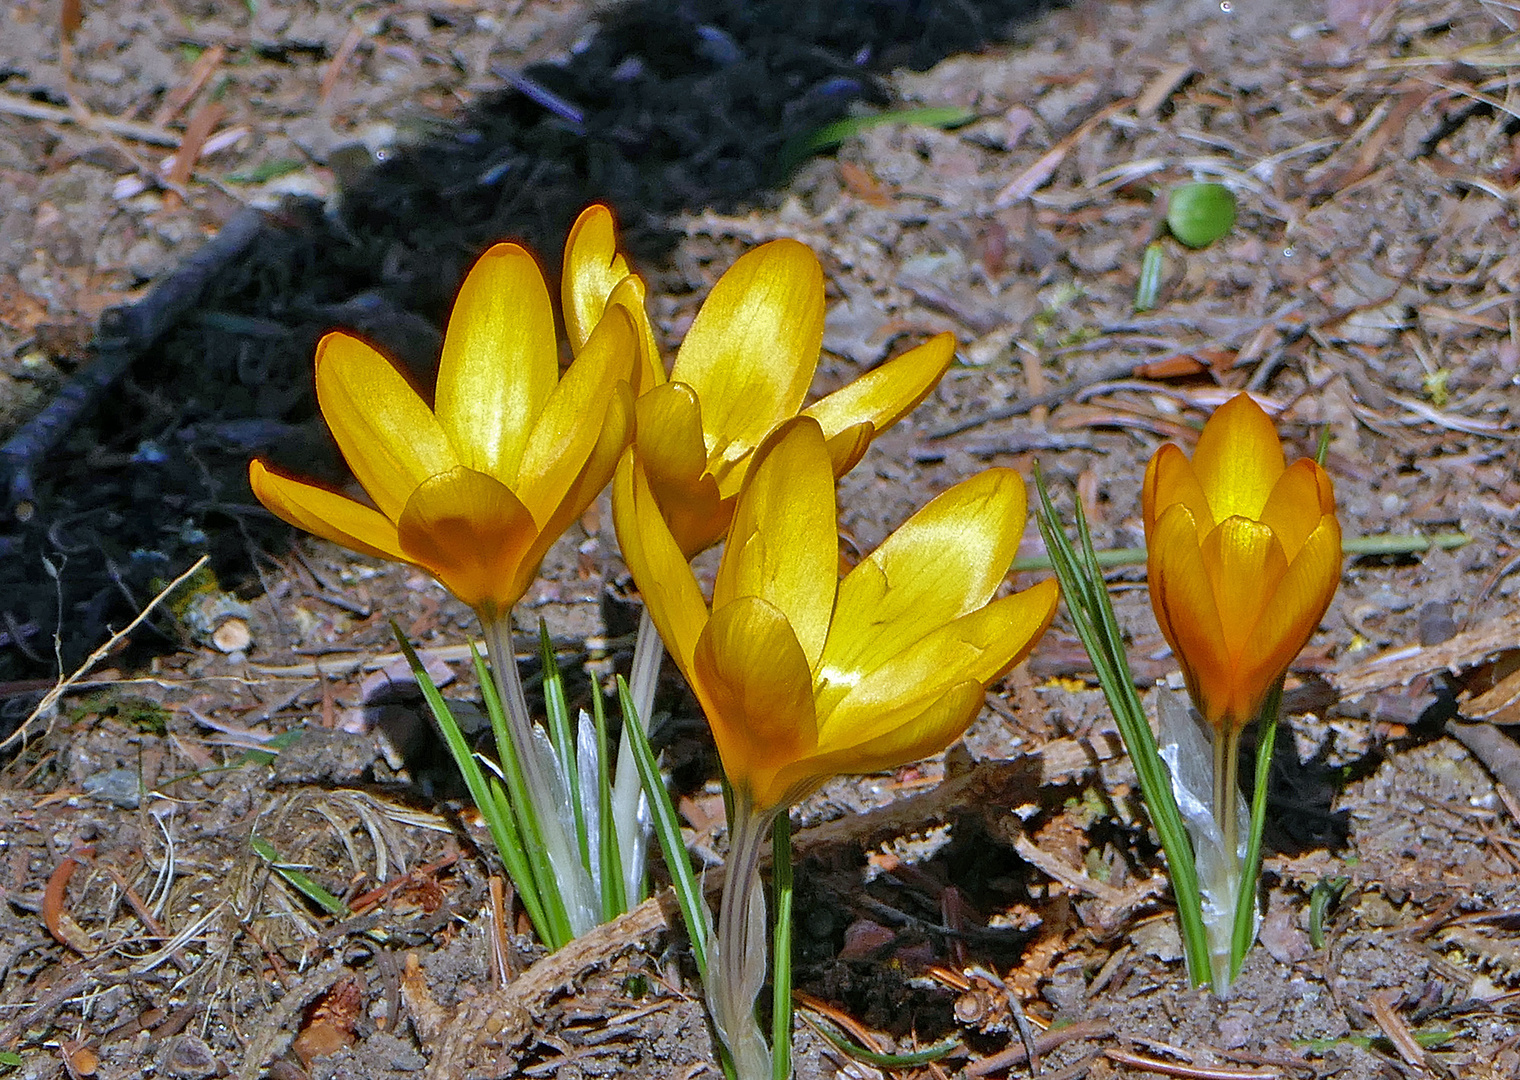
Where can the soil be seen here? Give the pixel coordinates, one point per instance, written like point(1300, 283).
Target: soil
point(1365, 291)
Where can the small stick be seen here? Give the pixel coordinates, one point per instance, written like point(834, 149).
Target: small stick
point(49, 703)
point(1188, 1072)
point(14, 105)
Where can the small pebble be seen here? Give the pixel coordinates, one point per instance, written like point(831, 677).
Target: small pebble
point(119, 787)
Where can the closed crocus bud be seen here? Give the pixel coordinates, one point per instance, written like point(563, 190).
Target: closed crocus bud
point(1244, 554)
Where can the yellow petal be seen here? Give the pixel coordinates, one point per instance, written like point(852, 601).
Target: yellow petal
point(658, 566)
point(885, 395)
point(1170, 479)
point(1301, 497)
point(782, 545)
point(472, 533)
point(940, 722)
point(669, 433)
point(751, 352)
point(593, 268)
point(500, 361)
point(386, 432)
point(325, 513)
point(1244, 563)
point(979, 646)
point(1183, 601)
point(615, 431)
point(649, 369)
point(941, 563)
point(1293, 612)
point(752, 678)
point(847, 447)
point(1238, 459)
point(573, 417)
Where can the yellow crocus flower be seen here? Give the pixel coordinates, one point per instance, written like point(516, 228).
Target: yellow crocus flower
point(803, 676)
point(1244, 555)
point(476, 489)
point(744, 366)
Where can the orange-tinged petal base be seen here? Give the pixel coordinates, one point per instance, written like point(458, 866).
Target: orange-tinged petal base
point(472, 533)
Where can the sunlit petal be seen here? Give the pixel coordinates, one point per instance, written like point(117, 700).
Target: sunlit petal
point(782, 544)
point(980, 645)
point(1301, 497)
point(614, 433)
point(1185, 607)
point(593, 268)
point(943, 561)
point(751, 352)
point(387, 434)
point(752, 678)
point(574, 415)
point(1238, 459)
point(649, 369)
point(888, 393)
point(471, 532)
point(500, 361)
point(325, 513)
point(658, 565)
point(938, 723)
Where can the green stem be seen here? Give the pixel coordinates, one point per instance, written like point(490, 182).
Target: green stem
point(1244, 932)
point(781, 949)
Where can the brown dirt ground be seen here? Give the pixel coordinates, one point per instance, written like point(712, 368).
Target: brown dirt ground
point(1368, 288)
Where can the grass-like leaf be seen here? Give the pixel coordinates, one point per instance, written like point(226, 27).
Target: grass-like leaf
point(781, 949)
point(489, 799)
point(694, 908)
point(299, 880)
point(1092, 614)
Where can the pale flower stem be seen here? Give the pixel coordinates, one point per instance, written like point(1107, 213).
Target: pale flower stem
point(648, 652)
point(739, 948)
point(562, 852)
point(498, 633)
point(1226, 812)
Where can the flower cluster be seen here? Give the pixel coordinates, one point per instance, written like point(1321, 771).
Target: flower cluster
point(802, 674)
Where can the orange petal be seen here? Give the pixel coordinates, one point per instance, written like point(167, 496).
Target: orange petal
point(325, 513)
point(1293, 611)
point(658, 566)
point(1238, 459)
point(1169, 479)
point(752, 678)
point(751, 352)
point(1244, 563)
point(944, 561)
point(593, 268)
point(1301, 497)
point(472, 533)
point(386, 432)
point(1183, 601)
point(500, 361)
point(782, 545)
point(885, 395)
